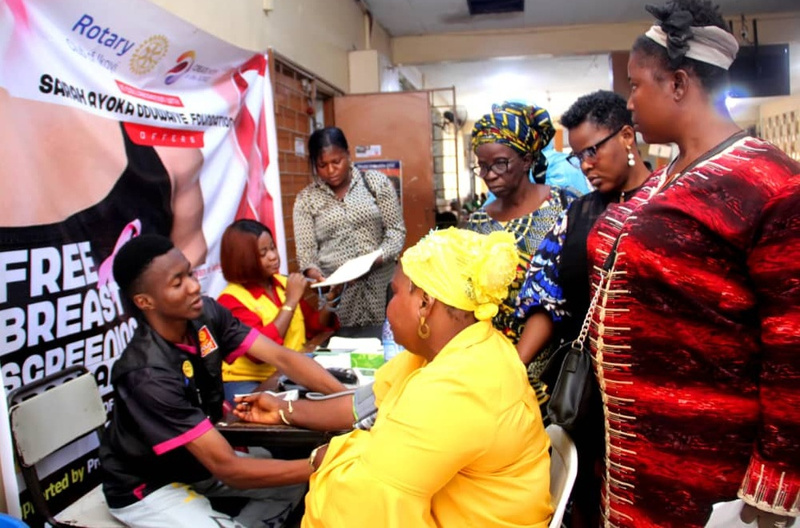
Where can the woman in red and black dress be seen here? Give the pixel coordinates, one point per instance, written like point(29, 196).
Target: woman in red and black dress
point(697, 332)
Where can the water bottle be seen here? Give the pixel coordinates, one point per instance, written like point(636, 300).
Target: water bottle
point(390, 348)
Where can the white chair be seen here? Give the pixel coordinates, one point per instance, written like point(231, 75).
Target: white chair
point(49, 420)
point(563, 470)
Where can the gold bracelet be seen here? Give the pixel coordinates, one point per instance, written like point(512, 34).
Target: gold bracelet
point(284, 419)
point(287, 308)
point(313, 456)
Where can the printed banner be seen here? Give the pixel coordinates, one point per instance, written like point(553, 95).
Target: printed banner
point(116, 119)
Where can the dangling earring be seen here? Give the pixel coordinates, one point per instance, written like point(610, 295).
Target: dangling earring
point(631, 161)
point(423, 331)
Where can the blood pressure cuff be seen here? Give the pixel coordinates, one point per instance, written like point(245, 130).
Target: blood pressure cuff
point(364, 409)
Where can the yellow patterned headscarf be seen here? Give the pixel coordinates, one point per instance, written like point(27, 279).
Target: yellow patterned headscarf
point(464, 269)
point(525, 129)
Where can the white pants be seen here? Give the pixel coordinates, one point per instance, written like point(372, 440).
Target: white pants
point(183, 506)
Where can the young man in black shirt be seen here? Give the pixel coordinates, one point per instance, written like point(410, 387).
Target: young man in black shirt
point(161, 455)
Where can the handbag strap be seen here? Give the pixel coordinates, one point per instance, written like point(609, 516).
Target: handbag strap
point(605, 277)
point(369, 187)
point(580, 341)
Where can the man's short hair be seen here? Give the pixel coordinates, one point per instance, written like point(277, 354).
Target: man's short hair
point(135, 257)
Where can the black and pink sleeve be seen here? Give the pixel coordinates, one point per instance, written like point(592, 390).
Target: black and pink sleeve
point(165, 416)
point(235, 338)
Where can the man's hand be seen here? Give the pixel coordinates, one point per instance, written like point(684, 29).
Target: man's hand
point(765, 519)
point(261, 408)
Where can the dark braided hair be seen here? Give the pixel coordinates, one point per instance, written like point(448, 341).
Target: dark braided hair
point(676, 18)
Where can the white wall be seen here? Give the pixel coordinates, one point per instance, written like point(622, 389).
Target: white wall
point(558, 41)
point(316, 34)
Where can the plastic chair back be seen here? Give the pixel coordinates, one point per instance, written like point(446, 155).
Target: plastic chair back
point(563, 470)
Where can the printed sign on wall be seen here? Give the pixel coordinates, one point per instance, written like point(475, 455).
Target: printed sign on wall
point(116, 119)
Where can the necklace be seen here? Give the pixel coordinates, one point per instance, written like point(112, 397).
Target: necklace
point(625, 195)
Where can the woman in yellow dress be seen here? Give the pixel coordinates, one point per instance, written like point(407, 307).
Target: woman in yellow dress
point(458, 439)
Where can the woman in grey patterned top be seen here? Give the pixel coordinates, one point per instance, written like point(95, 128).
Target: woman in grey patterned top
point(346, 213)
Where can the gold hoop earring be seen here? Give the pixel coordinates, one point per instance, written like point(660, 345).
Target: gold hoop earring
point(423, 330)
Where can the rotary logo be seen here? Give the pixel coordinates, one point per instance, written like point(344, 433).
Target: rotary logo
point(148, 54)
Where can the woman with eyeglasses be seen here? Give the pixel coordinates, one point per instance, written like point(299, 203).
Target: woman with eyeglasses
point(604, 147)
point(343, 214)
point(508, 142)
point(603, 144)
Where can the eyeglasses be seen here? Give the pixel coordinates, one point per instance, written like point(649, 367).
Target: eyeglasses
point(577, 158)
point(499, 167)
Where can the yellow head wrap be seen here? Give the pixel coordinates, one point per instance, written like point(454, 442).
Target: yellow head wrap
point(464, 269)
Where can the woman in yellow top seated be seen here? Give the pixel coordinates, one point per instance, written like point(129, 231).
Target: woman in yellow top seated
point(263, 299)
point(458, 439)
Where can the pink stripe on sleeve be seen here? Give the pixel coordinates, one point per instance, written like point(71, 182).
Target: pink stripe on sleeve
point(242, 349)
point(191, 349)
point(192, 434)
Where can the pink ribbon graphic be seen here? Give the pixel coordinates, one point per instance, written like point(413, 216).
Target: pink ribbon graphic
point(106, 271)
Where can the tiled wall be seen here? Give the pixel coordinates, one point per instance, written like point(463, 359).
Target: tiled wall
point(780, 124)
point(294, 95)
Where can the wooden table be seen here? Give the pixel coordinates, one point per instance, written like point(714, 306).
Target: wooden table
point(240, 433)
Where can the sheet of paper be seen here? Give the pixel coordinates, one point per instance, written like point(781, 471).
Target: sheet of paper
point(726, 515)
point(363, 344)
point(350, 270)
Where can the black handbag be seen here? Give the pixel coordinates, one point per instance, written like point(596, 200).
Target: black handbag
point(571, 395)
